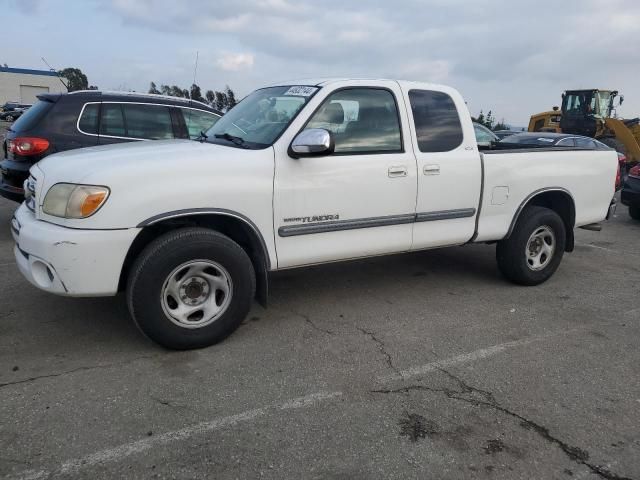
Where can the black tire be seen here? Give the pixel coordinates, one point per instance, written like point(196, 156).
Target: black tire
point(511, 252)
point(160, 259)
point(634, 212)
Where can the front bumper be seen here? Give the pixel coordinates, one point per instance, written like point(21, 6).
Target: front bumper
point(67, 261)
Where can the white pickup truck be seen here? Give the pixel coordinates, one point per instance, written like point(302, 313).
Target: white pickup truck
point(296, 174)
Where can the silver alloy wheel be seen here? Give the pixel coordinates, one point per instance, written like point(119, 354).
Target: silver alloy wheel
point(196, 293)
point(540, 248)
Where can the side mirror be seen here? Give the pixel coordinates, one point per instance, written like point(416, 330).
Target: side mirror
point(312, 142)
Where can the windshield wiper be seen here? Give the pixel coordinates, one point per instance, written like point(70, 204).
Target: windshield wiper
point(232, 138)
point(202, 137)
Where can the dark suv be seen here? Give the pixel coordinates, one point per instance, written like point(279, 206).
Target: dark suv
point(59, 122)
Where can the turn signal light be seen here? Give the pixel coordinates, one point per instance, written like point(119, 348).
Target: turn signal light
point(92, 202)
point(27, 146)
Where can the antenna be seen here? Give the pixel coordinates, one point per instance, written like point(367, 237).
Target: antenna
point(195, 71)
point(56, 72)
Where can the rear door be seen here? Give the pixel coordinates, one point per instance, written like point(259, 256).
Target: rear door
point(449, 167)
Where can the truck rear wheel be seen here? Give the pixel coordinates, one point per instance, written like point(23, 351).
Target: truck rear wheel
point(190, 288)
point(535, 248)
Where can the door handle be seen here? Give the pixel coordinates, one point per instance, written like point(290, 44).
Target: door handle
point(397, 171)
point(431, 169)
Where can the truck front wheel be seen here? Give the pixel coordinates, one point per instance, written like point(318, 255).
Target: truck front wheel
point(534, 250)
point(190, 288)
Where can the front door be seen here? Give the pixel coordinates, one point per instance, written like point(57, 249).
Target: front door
point(358, 201)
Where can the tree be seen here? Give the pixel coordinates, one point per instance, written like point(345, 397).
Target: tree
point(489, 121)
point(196, 93)
point(231, 97)
point(176, 91)
point(211, 97)
point(153, 89)
point(480, 118)
point(221, 101)
point(501, 125)
point(165, 89)
point(76, 80)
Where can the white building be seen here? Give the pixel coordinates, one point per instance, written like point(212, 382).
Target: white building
point(22, 85)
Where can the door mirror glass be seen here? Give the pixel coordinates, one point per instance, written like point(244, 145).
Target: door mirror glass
point(313, 141)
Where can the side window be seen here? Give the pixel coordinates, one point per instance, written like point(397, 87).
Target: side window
point(89, 118)
point(361, 119)
point(198, 121)
point(566, 142)
point(437, 121)
point(112, 121)
point(151, 122)
point(585, 143)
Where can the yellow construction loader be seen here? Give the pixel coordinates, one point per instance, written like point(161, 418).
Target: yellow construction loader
point(592, 113)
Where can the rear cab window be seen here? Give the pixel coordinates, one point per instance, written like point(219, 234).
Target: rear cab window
point(436, 119)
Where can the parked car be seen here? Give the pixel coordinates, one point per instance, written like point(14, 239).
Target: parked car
point(59, 122)
point(630, 195)
point(296, 175)
point(10, 106)
point(549, 139)
point(484, 137)
point(12, 115)
point(505, 133)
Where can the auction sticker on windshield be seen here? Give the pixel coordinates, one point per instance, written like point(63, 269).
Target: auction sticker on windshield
point(301, 91)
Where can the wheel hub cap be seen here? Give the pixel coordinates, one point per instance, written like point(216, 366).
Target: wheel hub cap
point(196, 293)
point(540, 248)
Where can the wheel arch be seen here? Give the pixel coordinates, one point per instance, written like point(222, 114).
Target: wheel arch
point(232, 224)
point(557, 199)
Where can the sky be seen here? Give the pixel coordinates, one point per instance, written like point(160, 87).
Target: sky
point(513, 57)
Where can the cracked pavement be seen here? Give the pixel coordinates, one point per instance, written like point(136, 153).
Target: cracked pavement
point(426, 365)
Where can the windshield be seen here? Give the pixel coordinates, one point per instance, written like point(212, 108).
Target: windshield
point(603, 103)
point(259, 119)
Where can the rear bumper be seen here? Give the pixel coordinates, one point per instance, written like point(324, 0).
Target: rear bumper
point(13, 176)
point(68, 261)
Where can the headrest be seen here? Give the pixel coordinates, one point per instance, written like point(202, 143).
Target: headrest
point(331, 113)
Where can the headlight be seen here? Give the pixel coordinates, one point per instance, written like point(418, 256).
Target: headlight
point(68, 200)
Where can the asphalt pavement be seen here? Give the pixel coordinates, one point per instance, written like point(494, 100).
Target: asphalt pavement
point(424, 365)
